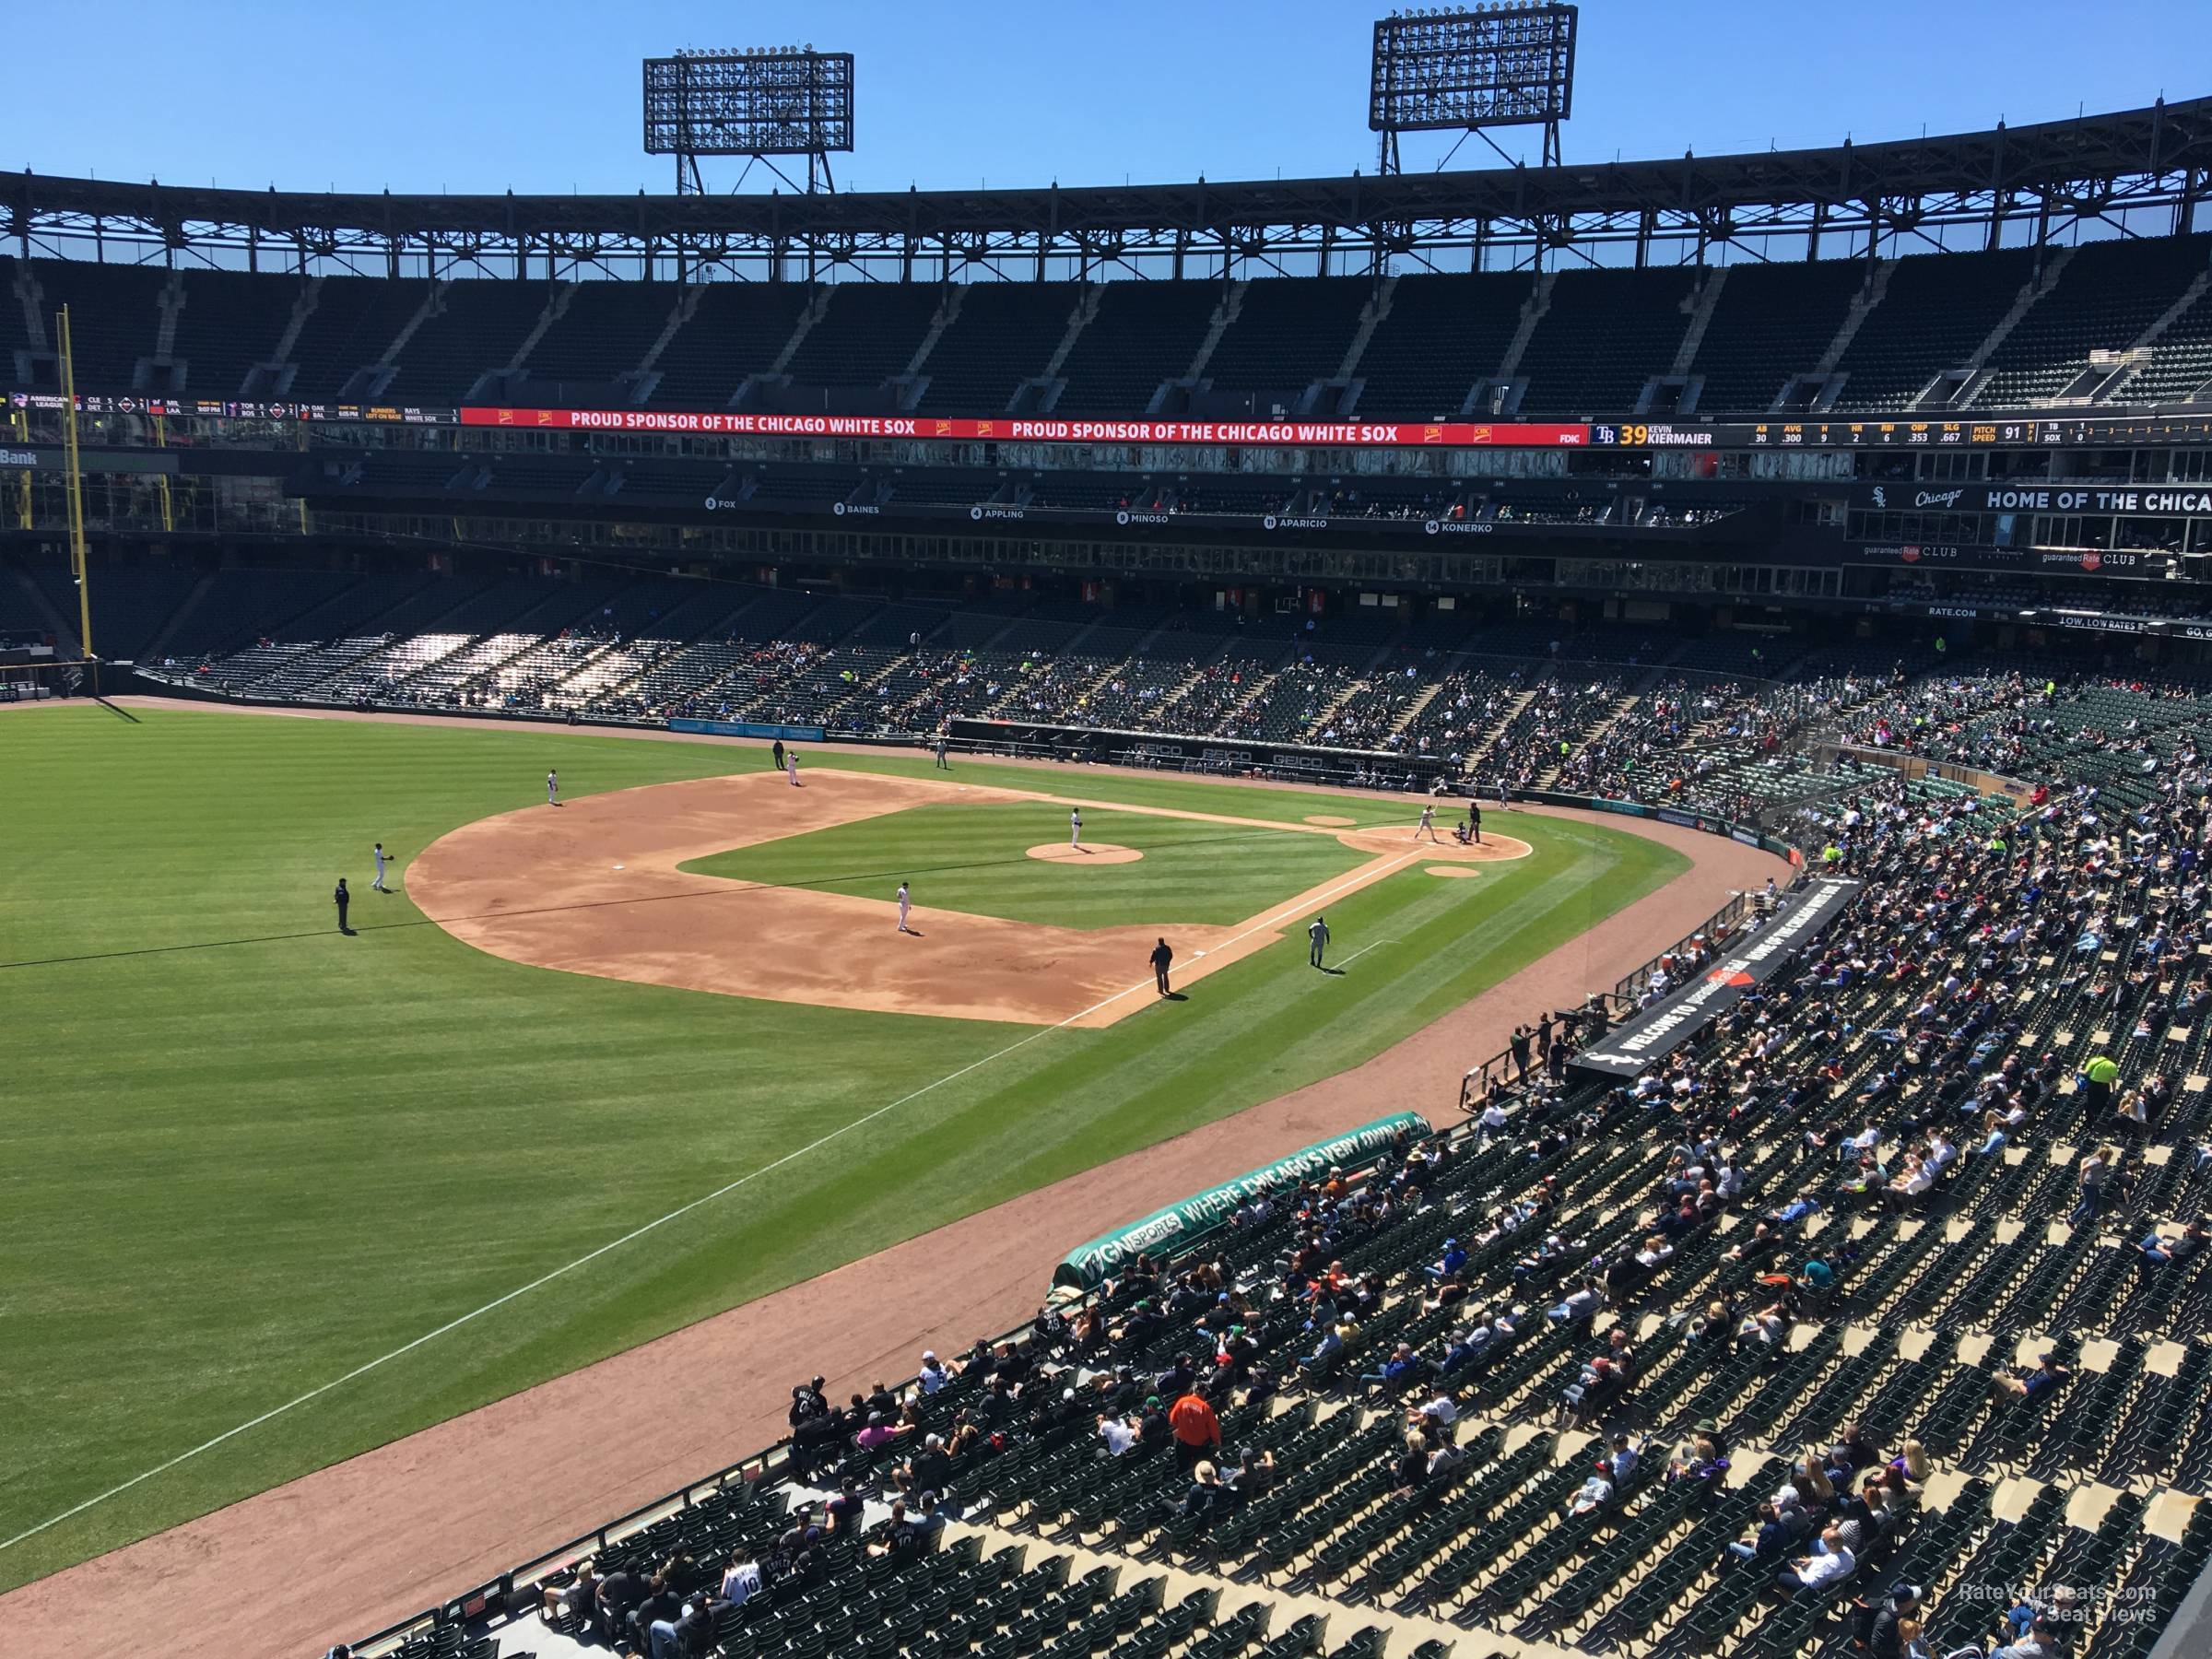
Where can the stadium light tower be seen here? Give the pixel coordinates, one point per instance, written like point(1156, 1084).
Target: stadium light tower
point(1467, 68)
point(758, 101)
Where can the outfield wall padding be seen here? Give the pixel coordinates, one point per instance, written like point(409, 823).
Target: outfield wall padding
point(1181, 1225)
point(748, 728)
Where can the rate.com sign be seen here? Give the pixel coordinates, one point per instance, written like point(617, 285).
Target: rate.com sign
point(1661, 1028)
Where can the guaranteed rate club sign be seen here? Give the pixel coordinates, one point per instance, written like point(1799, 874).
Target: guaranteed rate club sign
point(1663, 1026)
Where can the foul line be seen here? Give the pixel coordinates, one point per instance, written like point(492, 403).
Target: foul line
point(1359, 878)
point(1364, 950)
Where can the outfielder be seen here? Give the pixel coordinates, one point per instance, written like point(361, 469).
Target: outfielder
point(1317, 931)
point(379, 883)
point(903, 902)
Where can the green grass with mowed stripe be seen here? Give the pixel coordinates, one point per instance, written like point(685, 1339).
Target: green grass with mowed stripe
point(244, 1155)
point(974, 857)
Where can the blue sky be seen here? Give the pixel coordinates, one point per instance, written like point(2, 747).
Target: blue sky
point(488, 95)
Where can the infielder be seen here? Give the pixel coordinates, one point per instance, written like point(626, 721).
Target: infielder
point(1075, 830)
point(903, 902)
point(379, 883)
point(552, 789)
point(1428, 825)
point(1317, 931)
point(791, 766)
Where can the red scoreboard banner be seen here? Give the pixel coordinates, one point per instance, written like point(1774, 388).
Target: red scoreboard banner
point(1017, 429)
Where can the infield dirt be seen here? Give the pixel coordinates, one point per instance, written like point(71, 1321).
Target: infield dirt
point(595, 887)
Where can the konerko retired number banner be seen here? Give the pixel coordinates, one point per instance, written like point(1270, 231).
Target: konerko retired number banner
point(1447, 434)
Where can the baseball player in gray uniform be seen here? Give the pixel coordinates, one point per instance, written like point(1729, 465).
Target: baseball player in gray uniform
point(1318, 932)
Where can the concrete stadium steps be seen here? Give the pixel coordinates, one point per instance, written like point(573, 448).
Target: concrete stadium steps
point(386, 670)
point(1413, 711)
point(312, 671)
point(483, 657)
point(531, 672)
point(1594, 734)
point(1209, 703)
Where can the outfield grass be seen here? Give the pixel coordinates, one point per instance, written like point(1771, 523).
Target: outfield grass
point(973, 857)
point(243, 1155)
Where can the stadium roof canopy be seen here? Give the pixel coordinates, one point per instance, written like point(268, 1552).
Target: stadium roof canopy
point(2139, 171)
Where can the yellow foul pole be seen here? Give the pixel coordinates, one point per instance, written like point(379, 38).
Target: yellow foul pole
point(78, 560)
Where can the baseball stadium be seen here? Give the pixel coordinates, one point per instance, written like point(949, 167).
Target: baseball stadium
point(1453, 910)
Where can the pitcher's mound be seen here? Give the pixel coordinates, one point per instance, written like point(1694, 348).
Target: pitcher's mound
point(1089, 853)
point(1449, 870)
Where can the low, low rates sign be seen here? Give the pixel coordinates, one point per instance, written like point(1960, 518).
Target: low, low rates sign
point(1164, 1232)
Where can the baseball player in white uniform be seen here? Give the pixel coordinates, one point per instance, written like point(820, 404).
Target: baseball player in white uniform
point(903, 902)
point(552, 789)
point(379, 883)
point(1428, 824)
point(791, 766)
point(1075, 829)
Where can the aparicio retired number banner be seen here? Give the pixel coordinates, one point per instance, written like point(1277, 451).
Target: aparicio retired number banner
point(1626, 1050)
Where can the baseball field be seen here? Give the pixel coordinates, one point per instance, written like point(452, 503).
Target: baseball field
point(276, 1195)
